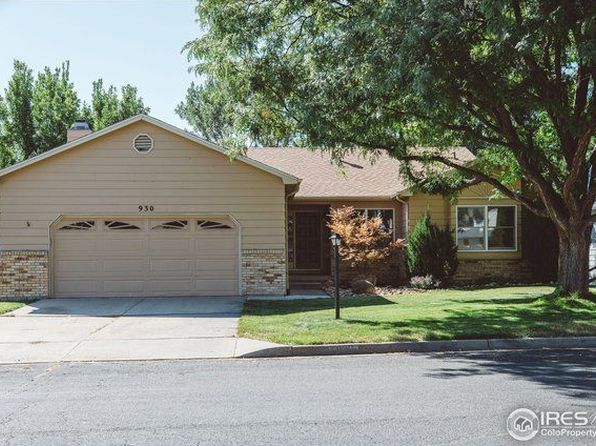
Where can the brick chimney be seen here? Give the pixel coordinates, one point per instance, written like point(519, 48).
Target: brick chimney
point(79, 129)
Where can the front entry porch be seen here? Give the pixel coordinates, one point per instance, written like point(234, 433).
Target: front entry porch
point(309, 259)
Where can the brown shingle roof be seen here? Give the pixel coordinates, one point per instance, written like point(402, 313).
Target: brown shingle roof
point(358, 177)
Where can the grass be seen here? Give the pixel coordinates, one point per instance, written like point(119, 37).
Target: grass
point(512, 312)
point(5, 307)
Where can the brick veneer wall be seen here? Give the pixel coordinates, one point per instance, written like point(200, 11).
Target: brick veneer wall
point(485, 270)
point(264, 271)
point(23, 274)
point(392, 272)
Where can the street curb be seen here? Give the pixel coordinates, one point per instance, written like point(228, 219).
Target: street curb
point(422, 347)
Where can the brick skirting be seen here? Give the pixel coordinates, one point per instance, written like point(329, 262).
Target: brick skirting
point(264, 271)
point(494, 270)
point(23, 275)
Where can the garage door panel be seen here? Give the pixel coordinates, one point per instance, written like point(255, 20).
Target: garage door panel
point(171, 266)
point(76, 244)
point(76, 268)
point(210, 286)
point(171, 286)
point(124, 266)
point(123, 287)
point(146, 262)
point(164, 245)
point(215, 265)
point(77, 287)
point(214, 245)
point(122, 246)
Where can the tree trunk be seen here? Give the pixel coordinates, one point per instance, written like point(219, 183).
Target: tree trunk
point(574, 259)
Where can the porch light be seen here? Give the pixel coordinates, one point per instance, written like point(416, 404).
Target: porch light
point(336, 242)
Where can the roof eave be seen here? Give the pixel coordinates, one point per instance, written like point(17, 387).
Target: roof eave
point(286, 177)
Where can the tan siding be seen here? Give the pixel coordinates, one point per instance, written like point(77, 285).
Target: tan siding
point(106, 176)
point(442, 212)
point(436, 205)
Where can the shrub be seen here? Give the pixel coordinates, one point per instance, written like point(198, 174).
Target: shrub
point(431, 251)
point(427, 282)
point(365, 243)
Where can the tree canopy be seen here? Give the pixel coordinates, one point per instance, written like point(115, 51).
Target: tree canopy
point(36, 111)
point(511, 80)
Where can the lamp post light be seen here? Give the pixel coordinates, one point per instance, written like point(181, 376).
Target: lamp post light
point(336, 242)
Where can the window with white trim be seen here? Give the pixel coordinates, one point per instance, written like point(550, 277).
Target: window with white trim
point(210, 224)
point(115, 225)
point(176, 225)
point(486, 228)
point(78, 226)
point(387, 217)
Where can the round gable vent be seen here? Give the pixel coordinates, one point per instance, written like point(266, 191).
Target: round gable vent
point(143, 143)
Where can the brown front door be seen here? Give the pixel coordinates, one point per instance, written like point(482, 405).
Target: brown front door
point(308, 240)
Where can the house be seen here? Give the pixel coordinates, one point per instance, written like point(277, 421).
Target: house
point(142, 208)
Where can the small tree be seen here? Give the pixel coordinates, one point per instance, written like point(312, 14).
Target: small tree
point(431, 250)
point(366, 243)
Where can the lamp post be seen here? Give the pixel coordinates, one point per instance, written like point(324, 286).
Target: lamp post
point(336, 242)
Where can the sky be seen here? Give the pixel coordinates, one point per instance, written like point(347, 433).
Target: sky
point(122, 41)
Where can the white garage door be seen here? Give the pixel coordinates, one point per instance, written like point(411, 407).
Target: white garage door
point(145, 257)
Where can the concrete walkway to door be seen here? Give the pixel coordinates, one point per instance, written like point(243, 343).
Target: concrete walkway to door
point(115, 329)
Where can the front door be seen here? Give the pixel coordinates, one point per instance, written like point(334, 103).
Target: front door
point(308, 240)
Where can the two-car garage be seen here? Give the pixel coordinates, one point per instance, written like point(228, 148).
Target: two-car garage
point(139, 209)
point(129, 257)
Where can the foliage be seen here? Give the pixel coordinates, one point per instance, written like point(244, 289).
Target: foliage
point(431, 251)
point(107, 108)
point(427, 282)
point(55, 106)
point(36, 111)
point(512, 81)
point(213, 113)
point(17, 134)
point(365, 243)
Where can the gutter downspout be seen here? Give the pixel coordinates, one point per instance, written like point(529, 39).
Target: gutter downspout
point(407, 216)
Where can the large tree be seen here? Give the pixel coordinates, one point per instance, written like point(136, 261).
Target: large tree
point(513, 80)
point(17, 134)
point(55, 106)
point(107, 107)
point(36, 111)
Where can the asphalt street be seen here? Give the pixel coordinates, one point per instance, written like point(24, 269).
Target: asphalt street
point(398, 399)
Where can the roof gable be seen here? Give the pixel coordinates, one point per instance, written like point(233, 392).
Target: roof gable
point(285, 177)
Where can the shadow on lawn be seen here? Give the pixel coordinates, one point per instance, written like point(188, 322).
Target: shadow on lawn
point(543, 319)
point(568, 372)
point(274, 307)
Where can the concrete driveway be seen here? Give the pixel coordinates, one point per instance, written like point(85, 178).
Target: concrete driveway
point(54, 330)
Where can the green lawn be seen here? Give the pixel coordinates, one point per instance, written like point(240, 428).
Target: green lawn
point(439, 314)
point(5, 307)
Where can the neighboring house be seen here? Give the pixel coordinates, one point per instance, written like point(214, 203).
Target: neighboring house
point(142, 208)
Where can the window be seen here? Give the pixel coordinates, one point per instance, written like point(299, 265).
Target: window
point(172, 225)
point(208, 224)
point(120, 225)
point(78, 226)
point(385, 214)
point(486, 228)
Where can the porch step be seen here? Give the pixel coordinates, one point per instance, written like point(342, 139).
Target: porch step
point(307, 282)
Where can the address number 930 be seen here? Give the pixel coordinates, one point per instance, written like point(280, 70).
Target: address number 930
point(146, 208)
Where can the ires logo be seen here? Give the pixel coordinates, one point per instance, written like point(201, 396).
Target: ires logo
point(525, 424)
